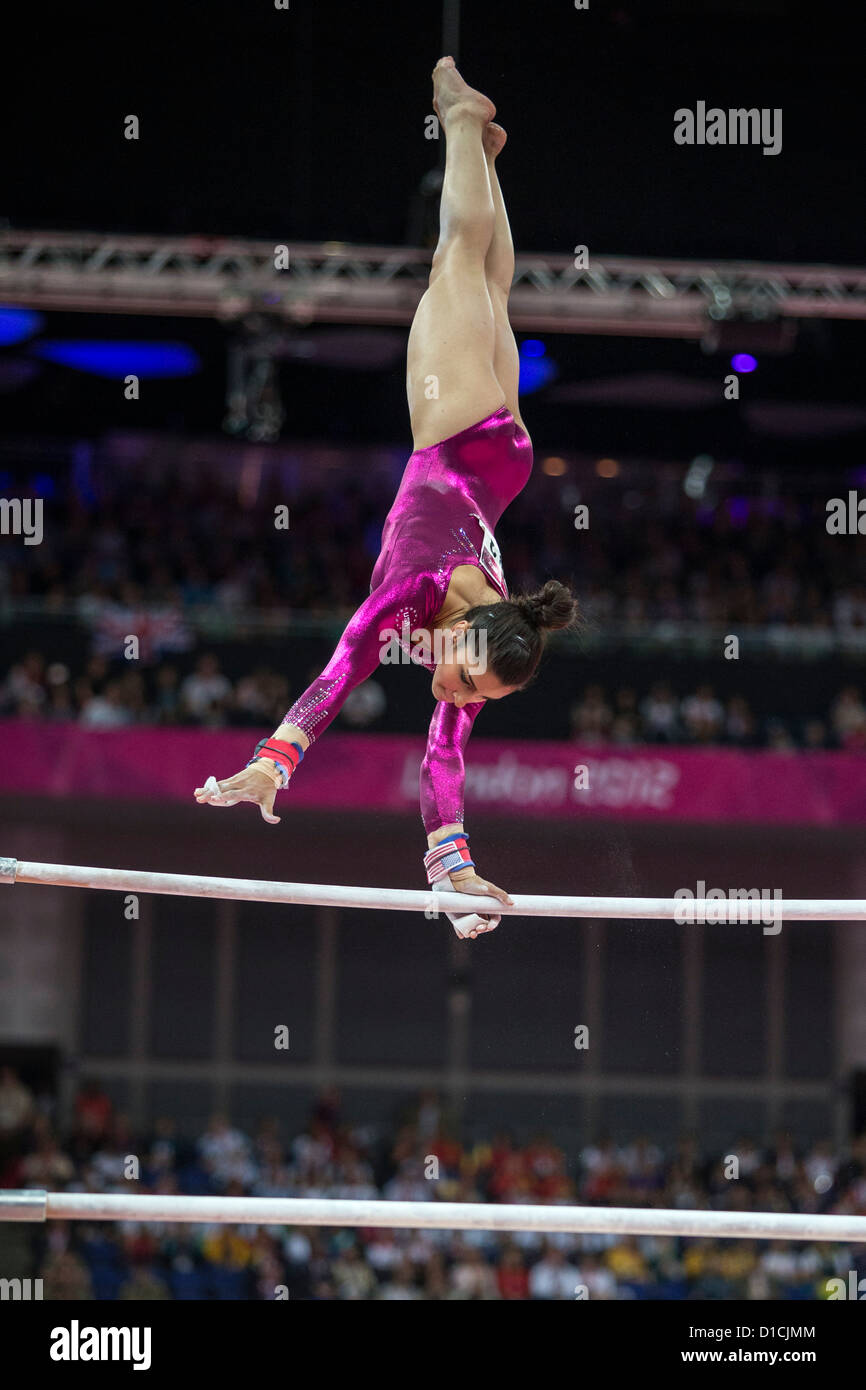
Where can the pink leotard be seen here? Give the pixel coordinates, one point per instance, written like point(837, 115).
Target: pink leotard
point(450, 498)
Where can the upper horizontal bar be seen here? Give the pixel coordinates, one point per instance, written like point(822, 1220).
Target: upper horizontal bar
point(429, 900)
point(448, 1216)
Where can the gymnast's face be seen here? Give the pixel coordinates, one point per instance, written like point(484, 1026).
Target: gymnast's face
point(461, 677)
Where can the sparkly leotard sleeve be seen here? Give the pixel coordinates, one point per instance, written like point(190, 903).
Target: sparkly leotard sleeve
point(450, 498)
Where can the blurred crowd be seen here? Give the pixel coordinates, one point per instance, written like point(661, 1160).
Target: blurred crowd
point(111, 694)
point(700, 718)
point(155, 551)
point(177, 540)
point(421, 1159)
point(108, 695)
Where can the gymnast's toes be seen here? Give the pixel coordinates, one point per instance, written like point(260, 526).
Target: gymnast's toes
point(493, 139)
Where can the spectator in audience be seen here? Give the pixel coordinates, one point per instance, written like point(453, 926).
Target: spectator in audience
point(229, 1255)
point(106, 711)
point(166, 707)
point(591, 717)
point(781, 588)
point(46, 1165)
point(848, 716)
point(23, 690)
point(849, 607)
point(144, 1286)
point(93, 1116)
point(779, 738)
point(17, 1111)
point(552, 1277)
point(401, 1286)
point(65, 1278)
point(61, 706)
point(702, 715)
point(253, 696)
point(364, 705)
point(624, 728)
point(162, 1157)
point(627, 1262)
point(740, 725)
point(434, 1275)
point(660, 714)
point(132, 694)
point(471, 1275)
point(512, 1278)
point(668, 605)
point(600, 1282)
point(205, 694)
point(225, 1153)
point(353, 1278)
point(815, 734)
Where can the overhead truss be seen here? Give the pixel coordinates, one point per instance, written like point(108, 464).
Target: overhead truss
point(335, 282)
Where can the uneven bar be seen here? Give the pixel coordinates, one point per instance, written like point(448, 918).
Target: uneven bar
point(434, 900)
point(447, 1216)
point(24, 1204)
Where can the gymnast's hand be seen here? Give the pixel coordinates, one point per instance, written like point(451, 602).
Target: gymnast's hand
point(467, 881)
point(248, 785)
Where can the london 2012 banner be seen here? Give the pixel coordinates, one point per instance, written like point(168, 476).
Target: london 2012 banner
point(373, 771)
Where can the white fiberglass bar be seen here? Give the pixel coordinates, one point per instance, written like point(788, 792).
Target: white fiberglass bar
point(448, 1216)
point(422, 900)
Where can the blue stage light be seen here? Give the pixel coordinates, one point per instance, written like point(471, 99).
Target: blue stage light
point(117, 360)
point(17, 324)
point(532, 347)
point(535, 373)
point(43, 485)
point(744, 362)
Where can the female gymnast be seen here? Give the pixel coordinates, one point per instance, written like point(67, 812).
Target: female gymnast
point(438, 576)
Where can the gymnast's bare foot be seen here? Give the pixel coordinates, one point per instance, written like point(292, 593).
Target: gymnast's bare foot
point(451, 93)
point(493, 139)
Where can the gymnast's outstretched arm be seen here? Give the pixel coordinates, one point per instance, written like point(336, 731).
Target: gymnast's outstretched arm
point(442, 770)
point(389, 609)
point(442, 786)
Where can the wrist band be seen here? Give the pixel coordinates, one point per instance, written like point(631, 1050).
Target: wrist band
point(447, 857)
point(276, 774)
point(284, 756)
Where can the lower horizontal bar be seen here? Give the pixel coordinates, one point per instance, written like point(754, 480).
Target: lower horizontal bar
point(23, 1205)
point(448, 1216)
point(431, 900)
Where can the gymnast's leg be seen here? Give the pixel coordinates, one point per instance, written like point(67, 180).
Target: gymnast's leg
point(450, 377)
point(499, 273)
point(461, 332)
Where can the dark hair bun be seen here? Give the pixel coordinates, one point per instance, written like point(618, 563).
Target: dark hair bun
point(551, 607)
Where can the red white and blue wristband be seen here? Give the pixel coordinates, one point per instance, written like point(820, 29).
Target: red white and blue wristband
point(447, 857)
point(286, 756)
